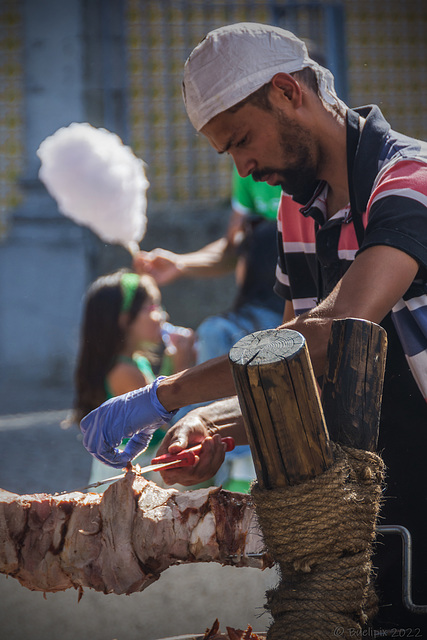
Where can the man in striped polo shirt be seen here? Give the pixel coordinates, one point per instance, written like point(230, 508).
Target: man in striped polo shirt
point(353, 231)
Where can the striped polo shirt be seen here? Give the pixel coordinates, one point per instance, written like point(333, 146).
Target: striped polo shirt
point(390, 184)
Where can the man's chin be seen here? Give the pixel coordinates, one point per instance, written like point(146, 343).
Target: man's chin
point(299, 190)
point(303, 194)
point(273, 181)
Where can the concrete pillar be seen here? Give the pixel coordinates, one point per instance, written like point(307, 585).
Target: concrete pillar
point(46, 261)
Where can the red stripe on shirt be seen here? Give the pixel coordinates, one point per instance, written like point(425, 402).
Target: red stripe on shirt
point(407, 174)
point(294, 226)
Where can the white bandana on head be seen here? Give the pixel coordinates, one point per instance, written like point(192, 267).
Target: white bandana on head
point(233, 61)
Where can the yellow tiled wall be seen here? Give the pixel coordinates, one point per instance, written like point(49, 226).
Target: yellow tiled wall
point(386, 50)
point(387, 55)
point(387, 64)
point(11, 107)
point(181, 166)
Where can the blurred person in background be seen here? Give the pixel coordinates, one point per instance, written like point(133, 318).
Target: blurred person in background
point(249, 248)
point(125, 343)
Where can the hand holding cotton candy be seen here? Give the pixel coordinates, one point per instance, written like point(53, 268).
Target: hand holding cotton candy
point(97, 181)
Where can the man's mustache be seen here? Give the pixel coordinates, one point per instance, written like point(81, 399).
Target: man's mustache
point(259, 176)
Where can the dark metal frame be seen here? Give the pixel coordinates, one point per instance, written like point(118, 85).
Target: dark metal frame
point(406, 538)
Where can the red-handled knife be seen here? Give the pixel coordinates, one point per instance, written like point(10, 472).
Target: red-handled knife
point(185, 458)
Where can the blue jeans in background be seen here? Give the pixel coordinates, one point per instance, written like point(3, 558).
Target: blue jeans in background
point(215, 337)
point(217, 334)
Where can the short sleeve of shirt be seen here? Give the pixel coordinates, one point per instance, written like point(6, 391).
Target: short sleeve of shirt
point(397, 210)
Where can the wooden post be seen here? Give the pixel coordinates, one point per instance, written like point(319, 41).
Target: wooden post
point(287, 427)
point(290, 444)
point(353, 382)
point(280, 403)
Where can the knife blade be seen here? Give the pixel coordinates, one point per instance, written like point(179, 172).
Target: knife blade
point(185, 458)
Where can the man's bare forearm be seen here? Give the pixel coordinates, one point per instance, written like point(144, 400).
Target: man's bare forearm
point(211, 380)
point(221, 412)
point(223, 417)
point(316, 331)
point(215, 259)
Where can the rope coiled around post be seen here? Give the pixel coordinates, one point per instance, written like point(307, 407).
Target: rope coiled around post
point(320, 533)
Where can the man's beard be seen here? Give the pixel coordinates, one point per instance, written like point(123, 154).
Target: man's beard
point(298, 179)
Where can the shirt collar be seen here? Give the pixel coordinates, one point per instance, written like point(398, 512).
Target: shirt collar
point(316, 207)
point(318, 199)
point(371, 141)
point(370, 144)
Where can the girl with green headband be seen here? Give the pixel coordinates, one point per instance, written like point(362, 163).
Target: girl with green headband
point(121, 345)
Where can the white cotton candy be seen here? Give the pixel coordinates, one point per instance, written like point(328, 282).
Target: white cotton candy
point(96, 181)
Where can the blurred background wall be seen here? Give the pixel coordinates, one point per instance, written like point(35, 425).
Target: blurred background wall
point(118, 64)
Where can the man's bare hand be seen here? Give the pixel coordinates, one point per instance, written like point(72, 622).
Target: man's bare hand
point(188, 432)
point(208, 425)
point(182, 348)
point(161, 264)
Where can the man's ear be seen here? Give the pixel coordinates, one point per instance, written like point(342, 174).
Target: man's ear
point(288, 86)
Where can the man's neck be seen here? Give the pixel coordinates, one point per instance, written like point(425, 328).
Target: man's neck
point(335, 201)
point(334, 164)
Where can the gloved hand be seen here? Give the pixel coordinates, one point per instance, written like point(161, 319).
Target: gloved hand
point(135, 415)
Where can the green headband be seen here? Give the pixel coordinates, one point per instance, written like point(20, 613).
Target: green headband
point(129, 283)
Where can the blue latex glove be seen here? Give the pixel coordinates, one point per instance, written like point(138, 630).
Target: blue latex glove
point(135, 415)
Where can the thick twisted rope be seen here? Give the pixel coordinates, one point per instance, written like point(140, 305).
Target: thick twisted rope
point(320, 533)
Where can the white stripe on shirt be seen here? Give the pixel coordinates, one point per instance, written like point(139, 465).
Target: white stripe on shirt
point(299, 247)
point(407, 193)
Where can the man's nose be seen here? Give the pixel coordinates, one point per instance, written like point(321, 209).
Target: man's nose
point(244, 166)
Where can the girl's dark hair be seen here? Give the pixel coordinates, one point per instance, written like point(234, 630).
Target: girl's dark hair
point(101, 338)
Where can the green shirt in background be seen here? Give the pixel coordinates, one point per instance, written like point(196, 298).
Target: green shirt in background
point(144, 365)
point(254, 198)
